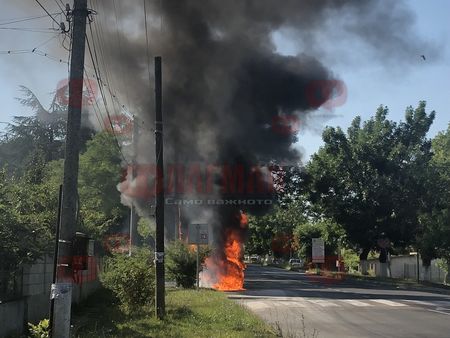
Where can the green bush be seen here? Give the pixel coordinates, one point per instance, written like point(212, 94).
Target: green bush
point(131, 279)
point(40, 330)
point(181, 263)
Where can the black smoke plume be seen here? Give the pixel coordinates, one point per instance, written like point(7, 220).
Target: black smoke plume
point(225, 82)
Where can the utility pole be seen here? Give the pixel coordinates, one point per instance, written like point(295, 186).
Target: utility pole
point(133, 215)
point(62, 290)
point(159, 248)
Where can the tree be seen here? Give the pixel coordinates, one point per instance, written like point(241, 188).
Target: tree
point(369, 181)
point(100, 172)
point(332, 234)
point(434, 239)
point(27, 220)
point(43, 132)
point(274, 231)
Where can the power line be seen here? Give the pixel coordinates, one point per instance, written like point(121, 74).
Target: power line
point(100, 57)
point(24, 19)
point(104, 99)
point(120, 50)
point(33, 51)
point(146, 45)
point(60, 5)
point(34, 30)
point(48, 13)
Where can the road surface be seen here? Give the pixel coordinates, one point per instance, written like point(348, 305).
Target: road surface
point(342, 308)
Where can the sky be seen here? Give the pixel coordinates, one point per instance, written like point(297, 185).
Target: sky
point(368, 79)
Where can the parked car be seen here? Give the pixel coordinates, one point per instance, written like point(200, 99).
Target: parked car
point(255, 259)
point(295, 263)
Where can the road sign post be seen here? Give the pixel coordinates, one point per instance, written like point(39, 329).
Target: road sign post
point(198, 234)
point(318, 251)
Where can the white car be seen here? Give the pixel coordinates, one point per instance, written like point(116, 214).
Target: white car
point(295, 263)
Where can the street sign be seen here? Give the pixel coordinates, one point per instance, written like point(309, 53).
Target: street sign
point(318, 250)
point(198, 233)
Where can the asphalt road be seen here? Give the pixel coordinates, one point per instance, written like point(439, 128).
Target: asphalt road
point(342, 308)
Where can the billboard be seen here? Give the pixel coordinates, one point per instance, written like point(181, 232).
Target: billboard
point(318, 250)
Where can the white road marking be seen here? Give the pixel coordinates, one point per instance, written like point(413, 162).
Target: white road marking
point(421, 302)
point(355, 302)
point(322, 302)
point(387, 302)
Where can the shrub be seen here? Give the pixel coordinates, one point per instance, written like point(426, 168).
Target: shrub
point(131, 279)
point(40, 330)
point(181, 263)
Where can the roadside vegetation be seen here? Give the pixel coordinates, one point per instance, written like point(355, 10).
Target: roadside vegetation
point(190, 313)
point(381, 181)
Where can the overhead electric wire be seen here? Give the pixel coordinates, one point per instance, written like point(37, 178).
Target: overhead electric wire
point(60, 5)
point(24, 19)
point(29, 29)
point(101, 60)
point(120, 50)
point(88, 83)
point(48, 13)
point(146, 44)
point(104, 100)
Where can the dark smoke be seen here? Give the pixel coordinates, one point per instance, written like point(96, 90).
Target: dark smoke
point(223, 79)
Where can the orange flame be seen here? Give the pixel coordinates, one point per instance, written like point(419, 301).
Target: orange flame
point(228, 274)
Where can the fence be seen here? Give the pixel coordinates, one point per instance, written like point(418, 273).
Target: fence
point(405, 267)
point(25, 294)
point(10, 285)
point(433, 273)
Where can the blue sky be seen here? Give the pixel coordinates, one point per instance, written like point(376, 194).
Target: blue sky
point(369, 81)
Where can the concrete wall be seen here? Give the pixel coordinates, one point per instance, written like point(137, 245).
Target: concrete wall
point(34, 304)
point(12, 318)
point(406, 267)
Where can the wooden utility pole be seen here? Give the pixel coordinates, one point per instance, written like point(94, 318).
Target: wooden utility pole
point(62, 290)
point(159, 248)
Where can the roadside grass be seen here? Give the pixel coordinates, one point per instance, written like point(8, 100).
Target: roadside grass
point(190, 313)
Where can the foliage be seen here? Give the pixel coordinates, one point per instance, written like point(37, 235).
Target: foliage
point(370, 180)
point(181, 263)
point(146, 228)
point(434, 239)
point(350, 259)
point(273, 231)
point(131, 279)
point(331, 232)
point(99, 174)
point(43, 132)
point(27, 219)
point(41, 330)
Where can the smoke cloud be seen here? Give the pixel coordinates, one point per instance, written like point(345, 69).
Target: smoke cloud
point(224, 81)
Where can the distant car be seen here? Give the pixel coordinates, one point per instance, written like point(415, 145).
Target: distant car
point(254, 259)
point(295, 263)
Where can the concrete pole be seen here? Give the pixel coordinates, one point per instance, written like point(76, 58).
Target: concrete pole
point(62, 290)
